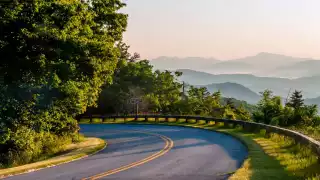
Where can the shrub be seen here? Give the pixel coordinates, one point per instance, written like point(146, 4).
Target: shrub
point(26, 146)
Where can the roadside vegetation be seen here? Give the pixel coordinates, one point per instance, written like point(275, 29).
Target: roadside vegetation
point(294, 114)
point(55, 56)
point(70, 152)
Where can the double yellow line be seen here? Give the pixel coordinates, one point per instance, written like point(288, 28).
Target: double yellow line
point(168, 146)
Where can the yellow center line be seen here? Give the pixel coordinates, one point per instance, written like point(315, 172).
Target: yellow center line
point(168, 146)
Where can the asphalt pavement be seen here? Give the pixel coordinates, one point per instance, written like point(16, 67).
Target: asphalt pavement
point(196, 155)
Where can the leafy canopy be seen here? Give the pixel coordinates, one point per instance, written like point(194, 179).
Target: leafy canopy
point(55, 56)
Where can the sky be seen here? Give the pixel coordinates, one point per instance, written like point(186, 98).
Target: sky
point(223, 29)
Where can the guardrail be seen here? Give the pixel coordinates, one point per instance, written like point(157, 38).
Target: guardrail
point(248, 126)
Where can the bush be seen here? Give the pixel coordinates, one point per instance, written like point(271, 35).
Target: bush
point(23, 145)
point(316, 121)
point(53, 144)
point(26, 146)
point(275, 121)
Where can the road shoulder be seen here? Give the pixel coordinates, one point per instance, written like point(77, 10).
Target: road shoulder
point(77, 151)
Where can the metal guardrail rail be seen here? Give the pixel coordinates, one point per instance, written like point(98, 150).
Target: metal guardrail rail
point(248, 126)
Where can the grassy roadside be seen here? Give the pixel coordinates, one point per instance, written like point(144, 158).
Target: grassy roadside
point(73, 152)
point(274, 157)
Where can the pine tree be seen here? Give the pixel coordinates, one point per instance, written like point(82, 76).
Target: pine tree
point(296, 100)
point(230, 103)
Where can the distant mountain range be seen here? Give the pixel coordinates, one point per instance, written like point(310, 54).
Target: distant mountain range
point(313, 101)
point(234, 90)
point(173, 63)
point(244, 78)
point(304, 68)
point(280, 86)
point(262, 64)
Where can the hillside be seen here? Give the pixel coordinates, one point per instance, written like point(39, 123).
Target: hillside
point(234, 90)
point(250, 107)
point(280, 86)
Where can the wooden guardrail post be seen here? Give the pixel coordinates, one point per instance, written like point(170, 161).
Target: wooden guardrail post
point(225, 124)
point(196, 120)
point(268, 133)
point(247, 127)
point(91, 119)
point(233, 125)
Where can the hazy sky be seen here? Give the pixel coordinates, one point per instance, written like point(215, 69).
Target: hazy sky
point(223, 29)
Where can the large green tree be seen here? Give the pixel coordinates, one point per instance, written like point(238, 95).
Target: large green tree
point(55, 56)
point(135, 78)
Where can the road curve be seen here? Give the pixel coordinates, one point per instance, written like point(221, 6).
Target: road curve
point(149, 152)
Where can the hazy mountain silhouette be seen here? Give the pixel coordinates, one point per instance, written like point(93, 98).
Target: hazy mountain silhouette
point(262, 64)
point(234, 90)
point(299, 69)
point(230, 67)
point(173, 63)
point(314, 101)
point(280, 86)
point(269, 60)
point(253, 64)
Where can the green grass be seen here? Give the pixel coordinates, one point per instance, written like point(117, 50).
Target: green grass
point(275, 157)
point(96, 120)
point(310, 131)
point(271, 157)
point(85, 120)
point(72, 152)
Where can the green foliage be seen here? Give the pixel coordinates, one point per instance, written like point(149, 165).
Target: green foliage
point(26, 145)
point(296, 100)
point(238, 103)
point(56, 55)
point(160, 92)
point(295, 114)
point(268, 108)
point(243, 114)
point(135, 79)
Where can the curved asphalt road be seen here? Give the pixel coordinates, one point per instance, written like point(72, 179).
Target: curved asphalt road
point(196, 155)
